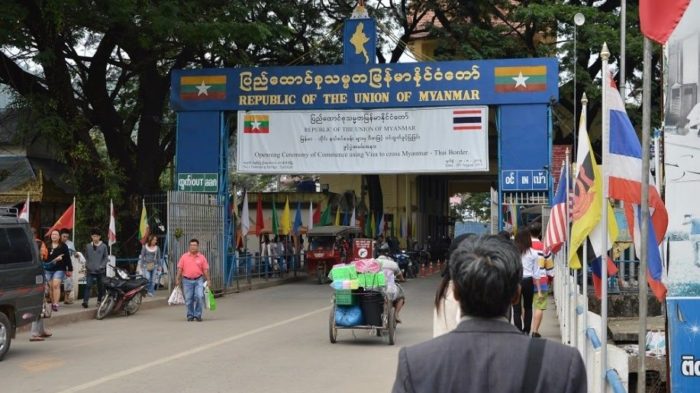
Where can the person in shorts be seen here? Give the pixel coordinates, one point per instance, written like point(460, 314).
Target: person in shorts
point(393, 273)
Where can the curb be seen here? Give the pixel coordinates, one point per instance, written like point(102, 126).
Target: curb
point(58, 319)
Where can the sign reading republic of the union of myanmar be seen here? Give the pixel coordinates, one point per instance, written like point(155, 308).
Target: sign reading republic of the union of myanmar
point(428, 140)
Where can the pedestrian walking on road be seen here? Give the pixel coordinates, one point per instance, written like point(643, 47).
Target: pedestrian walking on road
point(447, 314)
point(38, 332)
point(192, 270)
point(151, 262)
point(57, 266)
point(485, 353)
point(96, 257)
point(522, 311)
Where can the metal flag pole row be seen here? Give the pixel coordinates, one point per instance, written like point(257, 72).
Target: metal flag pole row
point(605, 56)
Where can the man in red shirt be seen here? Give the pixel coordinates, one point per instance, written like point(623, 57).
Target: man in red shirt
point(192, 270)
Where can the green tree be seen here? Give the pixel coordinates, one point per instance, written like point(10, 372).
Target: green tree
point(482, 29)
point(472, 206)
point(100, 71)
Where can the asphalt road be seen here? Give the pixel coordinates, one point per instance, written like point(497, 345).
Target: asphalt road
point(270, 340)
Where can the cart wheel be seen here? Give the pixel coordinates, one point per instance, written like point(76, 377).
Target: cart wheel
point(332, 330)
point(391, 321)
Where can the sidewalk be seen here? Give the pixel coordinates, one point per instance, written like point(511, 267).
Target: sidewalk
point(550, 323)
point(71, 313)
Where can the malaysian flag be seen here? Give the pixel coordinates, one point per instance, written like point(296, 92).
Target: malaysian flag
point(468, 119)
point(555, 234)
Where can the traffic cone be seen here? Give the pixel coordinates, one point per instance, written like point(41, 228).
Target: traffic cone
point(422, 271)
point(431, 271)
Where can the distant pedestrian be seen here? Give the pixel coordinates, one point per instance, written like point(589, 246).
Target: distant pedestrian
point(447, 314)
point(38, 331)
point(68, 280)
point(192, 270)
point(485, 353)
point(96, 258)
point(541, 276)
point(151, 262)
point(522, 311)
point(57, 266)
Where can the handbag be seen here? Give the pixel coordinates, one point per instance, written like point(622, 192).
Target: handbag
point(150, 266)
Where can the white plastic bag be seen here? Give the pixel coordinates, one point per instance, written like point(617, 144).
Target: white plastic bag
point(176, 297)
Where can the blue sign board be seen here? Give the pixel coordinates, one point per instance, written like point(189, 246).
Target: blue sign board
point(349, 86)
point(524, 180)
point(359, 41)
point(684, 346)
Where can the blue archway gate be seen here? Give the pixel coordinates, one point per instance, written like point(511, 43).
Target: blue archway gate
point(365, 118)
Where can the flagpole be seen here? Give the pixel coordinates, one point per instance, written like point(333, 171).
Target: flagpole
point(74, 292)
point(605, 56)
point(643, 257)
point(584, 263)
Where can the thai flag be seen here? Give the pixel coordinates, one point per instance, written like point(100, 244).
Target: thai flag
point(624, 163)
point(555, 235)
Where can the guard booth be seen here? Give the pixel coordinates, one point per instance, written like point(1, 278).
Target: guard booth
point(407, 119)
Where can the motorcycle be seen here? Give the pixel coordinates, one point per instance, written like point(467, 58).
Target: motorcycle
point(123, 292)
point(406, 264)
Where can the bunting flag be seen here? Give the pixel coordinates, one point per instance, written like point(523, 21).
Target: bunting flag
point(112, 232)
point(143, 223)
point(275, 220)
point(66, 220)
point(381, 225)
point(353, 219)
point(346, 218)
point(625, 181)
point(403, 227)
point(24, 213)
point(393, 230)
point(316, 219)
point(587, 190)
point(337, 217)
point(373, 226)
point(326, 216)
point(658, 19)
point(297, 220)
point(312, 218)
point(245, 216)
point(259, 219)
point(286, 225)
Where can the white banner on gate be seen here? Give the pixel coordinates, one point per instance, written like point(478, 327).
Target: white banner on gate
point(426, 140)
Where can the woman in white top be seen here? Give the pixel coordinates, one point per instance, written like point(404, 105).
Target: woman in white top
point(447, 313)
point(529, 259)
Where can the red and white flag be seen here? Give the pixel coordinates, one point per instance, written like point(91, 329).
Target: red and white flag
point(112, 233)
point(658, 19)
point(24, 213)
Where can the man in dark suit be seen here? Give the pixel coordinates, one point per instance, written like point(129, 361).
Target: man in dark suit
point(485, 353)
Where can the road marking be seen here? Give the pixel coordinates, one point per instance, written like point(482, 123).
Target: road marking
point(180, 355)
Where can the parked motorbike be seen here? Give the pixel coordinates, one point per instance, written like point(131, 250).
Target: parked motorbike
point(123, 292)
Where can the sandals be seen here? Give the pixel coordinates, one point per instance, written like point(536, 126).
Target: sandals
point(46, 335)
point(36, 338)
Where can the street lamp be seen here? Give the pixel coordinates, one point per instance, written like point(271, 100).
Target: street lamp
point(579, 20)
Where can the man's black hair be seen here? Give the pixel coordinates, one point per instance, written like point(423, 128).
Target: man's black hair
point(486, 273)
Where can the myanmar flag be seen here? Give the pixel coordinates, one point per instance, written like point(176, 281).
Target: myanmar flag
point(203, 87)
point(143, 224)
point(520, 79)
point(256, 124)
